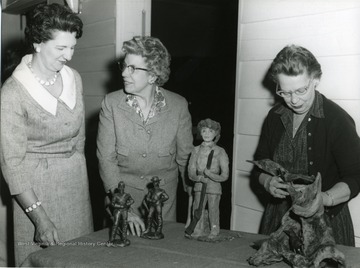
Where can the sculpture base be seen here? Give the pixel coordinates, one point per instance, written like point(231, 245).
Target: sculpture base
point(153, 235)
point(213, 239)
point(118, 243)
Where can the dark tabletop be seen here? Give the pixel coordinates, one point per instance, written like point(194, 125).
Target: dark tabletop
point(173, 251)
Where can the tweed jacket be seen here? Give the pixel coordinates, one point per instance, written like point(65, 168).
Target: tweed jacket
point(333, 146)
point(133, 152)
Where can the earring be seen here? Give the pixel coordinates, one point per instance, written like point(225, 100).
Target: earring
point(37, 49)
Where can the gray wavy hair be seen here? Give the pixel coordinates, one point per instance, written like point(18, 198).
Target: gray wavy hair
point(155, 54)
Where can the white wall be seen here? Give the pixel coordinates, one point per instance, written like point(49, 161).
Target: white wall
point(133, 18)
point(328, 28)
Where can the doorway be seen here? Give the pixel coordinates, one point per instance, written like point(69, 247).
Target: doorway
point(201, 36)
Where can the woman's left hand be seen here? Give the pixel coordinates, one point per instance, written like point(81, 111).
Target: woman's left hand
point(276, 187)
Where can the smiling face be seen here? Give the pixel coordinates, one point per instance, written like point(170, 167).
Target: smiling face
point(300, 104)
point(54, 54)
point(208, 134)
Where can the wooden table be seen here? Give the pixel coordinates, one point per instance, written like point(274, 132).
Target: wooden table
point(173, 251)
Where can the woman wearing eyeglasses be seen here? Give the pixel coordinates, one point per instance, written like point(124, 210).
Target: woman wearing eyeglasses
point(307, 134)
point(144, 130)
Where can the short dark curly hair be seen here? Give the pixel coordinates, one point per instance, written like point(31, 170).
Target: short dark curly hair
point(155, 53)
point(44, 19)
point(293, 60)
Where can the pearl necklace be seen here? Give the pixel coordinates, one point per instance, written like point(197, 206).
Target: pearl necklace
point(42, 82)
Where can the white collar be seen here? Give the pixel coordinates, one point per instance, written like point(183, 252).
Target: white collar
point(43, 97)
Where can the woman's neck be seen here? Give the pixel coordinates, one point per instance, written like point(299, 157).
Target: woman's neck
point(145, 99)
point(39, 68)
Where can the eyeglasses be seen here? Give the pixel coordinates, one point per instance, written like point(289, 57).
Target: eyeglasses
point(131, 68)
point(288, 94)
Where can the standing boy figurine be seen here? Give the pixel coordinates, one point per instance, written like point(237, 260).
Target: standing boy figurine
point(208, 167)
point(153, 202)
point(120, 203)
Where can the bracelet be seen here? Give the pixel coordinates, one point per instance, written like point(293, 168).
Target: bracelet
point(331, 198)
point(33, 206)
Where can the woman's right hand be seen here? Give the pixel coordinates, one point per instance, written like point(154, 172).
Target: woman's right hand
point(136, 225)
point(276, 187)
point(46, 233)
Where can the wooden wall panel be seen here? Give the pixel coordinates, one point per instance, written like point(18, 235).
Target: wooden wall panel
point(251, 115)
point(338, 30)
point(248, 219)
point(246, 199)
point(250, 87)
point(95, 51)
point(340, 77)
point(354, 205)
point(245, 151)
point(95, 11)
point(95, 83)
point(93, 105)
point(262, 10)
point(94, 59)
point(97, 34)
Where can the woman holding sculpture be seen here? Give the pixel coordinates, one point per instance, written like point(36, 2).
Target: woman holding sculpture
point(307, 134)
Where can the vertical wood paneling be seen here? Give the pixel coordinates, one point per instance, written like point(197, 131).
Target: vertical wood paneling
point(330, 29)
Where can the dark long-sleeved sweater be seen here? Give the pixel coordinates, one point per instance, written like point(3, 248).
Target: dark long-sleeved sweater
point(333, 147)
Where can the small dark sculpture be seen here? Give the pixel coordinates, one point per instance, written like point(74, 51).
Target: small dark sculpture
point(120, 203)
point(153, 202)
point(304, 239)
